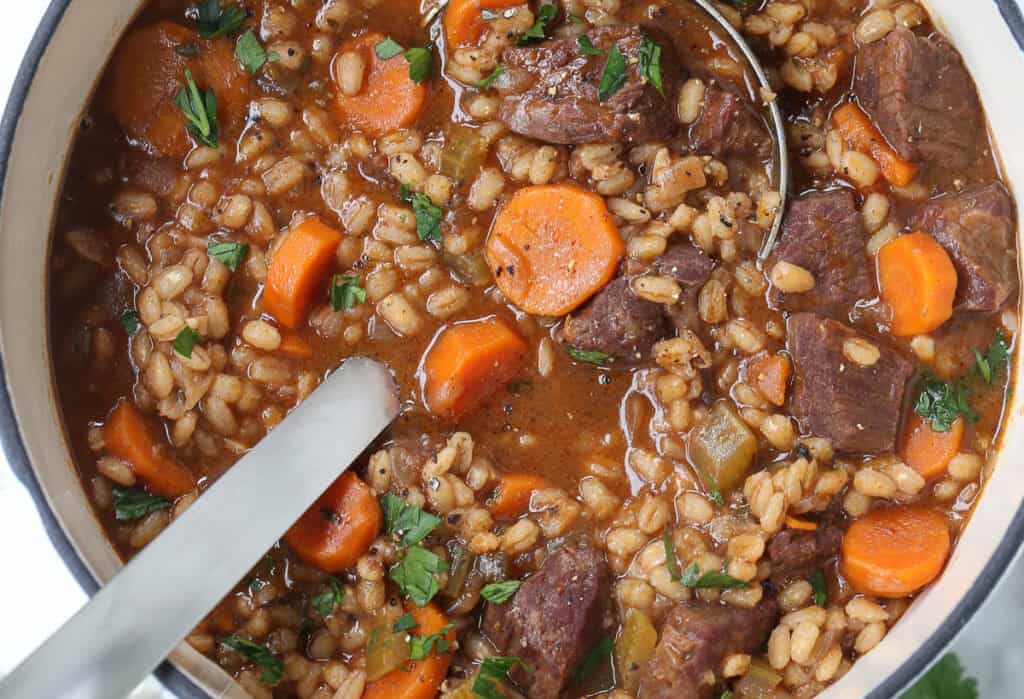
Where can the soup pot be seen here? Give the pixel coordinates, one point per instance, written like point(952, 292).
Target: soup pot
point(54, 84)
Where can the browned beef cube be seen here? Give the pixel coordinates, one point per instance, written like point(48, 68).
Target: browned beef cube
point(617, 322)
point(686, 264)
point(976, 228)
point(921, 97)
point(729, 126)
point(554, 619)
point(695, 639)
point(856, 407)
point(552, 91)
point(821, 232)
point(796, 554)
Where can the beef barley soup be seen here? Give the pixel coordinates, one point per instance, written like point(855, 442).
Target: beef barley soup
point(633, 460)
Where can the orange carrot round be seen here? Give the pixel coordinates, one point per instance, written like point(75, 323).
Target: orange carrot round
point(895, 551)
point(467, 362)
point(464, 21)
point(298, 269)
point(768, 374)
point(927, 451)
point(339, 527)
point(512, 497)
point(552, 247)
point(918, 281)
point(421, 679)
point(128, 436)
point(389, 98)
point(860, 134)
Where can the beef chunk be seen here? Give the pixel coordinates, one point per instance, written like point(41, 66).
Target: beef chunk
point(686, 264)
point(553, 620)
point(552, 91)
point(921, 97)
point(976, 228)
point(821, 232)
point(857, 407)
point(617, 322)
point(796, 554)
point(729, 126)
point(695, 639)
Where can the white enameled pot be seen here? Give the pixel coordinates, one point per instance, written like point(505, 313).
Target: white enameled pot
point(55, 82)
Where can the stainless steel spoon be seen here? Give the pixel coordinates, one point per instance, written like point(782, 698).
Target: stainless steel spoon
point(132, 624)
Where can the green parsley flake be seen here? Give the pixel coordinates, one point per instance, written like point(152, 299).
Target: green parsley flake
point(428, 215)
point(727, 694)
point(671, 560)
point(409, 523)
point(200, 110)
point(589, 356)
point(692, 577)
point(539, 31)
point(329, 599)
point(249, 52)
point(587, 47)
point(404, 623)
point(498, 71)
point(597, 656)
point(820, 588)
point(492, 671)
point(416, 574)
point(130, 322)
point(614, 75)
point(420, 647)
point(131, 504)
point(387, 49)
point(230, 254)
point(945, 680)
point(996, 358)
point(650, 64)
point(186, 341)
point(255, 653)
point(943, 403)
point(213, 22)
point(421, 64)
point(709, 482)
point(500, 592)
point(346, 292)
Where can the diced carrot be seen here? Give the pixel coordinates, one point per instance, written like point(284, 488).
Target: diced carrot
point(420, 679)
point(464, 21)
point(552, 247)
point(927, 451)
point(467, 362)
point(918, 281)
point(801, 524)
point(768, 374)
point(860, 134)
point(128, 436)
point(339, 527)
point(147, 72)
point(297, 271)
point(389, 98)
point(895, 551)
point(294, 346)
point(512, 497)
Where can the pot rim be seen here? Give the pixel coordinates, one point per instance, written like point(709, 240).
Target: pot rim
point(13, 447)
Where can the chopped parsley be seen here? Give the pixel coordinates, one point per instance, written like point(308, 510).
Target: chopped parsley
point(741, 5)
point(670, 558)
point(614, 75)
point(416, 574)
point(498, 71)
point(387, 49)
point(410, 524)
point(130, 322)
point(692, 577)
point(404, 623)
point(817, 581)
point(500, 592)
point(589, 356)
point(330, 598)
point(420, 59)
point(996, 358)
point(539, 31)
point(650, 64)
point(727, 694)
point(230, 254)
point(945, 680)
point(420, 647)
point(587, 47)
point(250, 52)
point(709, 482)
point(346, 292)
point(428, 215)
point(130, 503)
point(943, 403)
point(186, 341)
point(599, 654)
point(258, 654)
point(494, 670)
point(214, 22)
point(200, 110)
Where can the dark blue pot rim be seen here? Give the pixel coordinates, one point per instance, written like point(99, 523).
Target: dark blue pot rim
point(14, 447)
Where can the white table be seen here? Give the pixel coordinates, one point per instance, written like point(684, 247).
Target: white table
point(991, 647)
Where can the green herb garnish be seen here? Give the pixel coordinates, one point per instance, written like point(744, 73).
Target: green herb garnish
point(420, 647)
point(346, 292)
point(404, 623)
point(428, 215)
point(945, 680)
point(421, 64)
point(692, 577)
point(727, 694)
point(709, 482)
point(500, 592)
point(389, 48)
point(409, 523)
point(600, 653)
point(258, 654)
point(186, 341)
point(330, 598)
point(214, 22)
point(494, 670)
point(250, 52)
point(589, 356)
point(130, 504)
point(650, 63)
point(130, 322)
point(200, 110)
point(539, 31)
point(498, 71)
point(670, 558)
point(817, 581)
point(995, 358)
point(614, 75)
point(942, 403)
point(587, 47)
point(230, 254)
point(416, 574)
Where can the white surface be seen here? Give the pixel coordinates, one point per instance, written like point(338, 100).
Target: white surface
point(43, 594)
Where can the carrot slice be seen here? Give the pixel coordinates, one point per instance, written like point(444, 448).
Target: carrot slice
point(552, 247)
point(298, 269)
point(895, 551)
point(927, 451)
point(464, 21)
point(339, 527)
point(512, 497)
point(860, 134)
point(467, 362)
point(423, 678)
point(295, 346)
point(801, 524)
point(389, 98)
point(768, 374)
point(128, 436)
point(918, 281)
